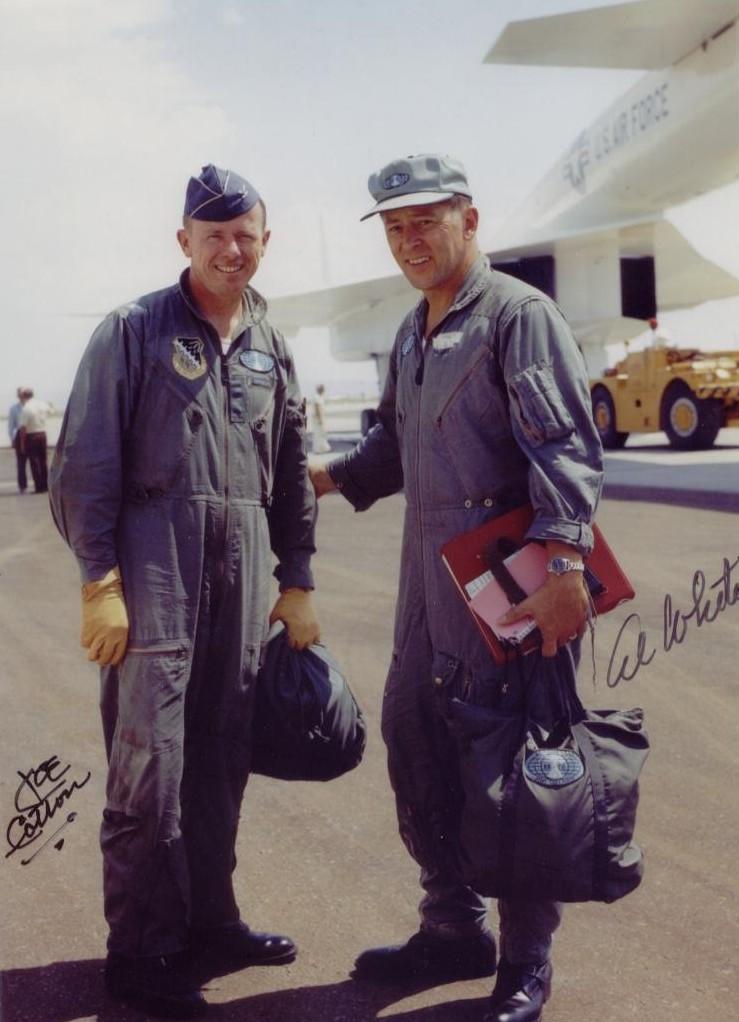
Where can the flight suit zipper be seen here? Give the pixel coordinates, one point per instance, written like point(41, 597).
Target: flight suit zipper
point(419, 382)
point(226, 384)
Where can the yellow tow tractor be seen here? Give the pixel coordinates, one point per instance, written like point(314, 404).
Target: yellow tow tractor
point(689, 394)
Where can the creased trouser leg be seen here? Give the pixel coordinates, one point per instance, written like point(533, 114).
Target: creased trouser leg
point(526, 929)
point(219, 708)
point(422, 769)
point(177, 725)
point(144, 864)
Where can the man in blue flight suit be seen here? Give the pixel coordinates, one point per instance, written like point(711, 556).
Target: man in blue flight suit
point(180, 467)
point(485, 407)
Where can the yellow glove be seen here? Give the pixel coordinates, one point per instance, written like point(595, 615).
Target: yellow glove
point(104, 619)
point(295, 608)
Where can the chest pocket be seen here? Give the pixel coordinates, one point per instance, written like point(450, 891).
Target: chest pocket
point(475, 403)
point(159, 443)
point(255, 379)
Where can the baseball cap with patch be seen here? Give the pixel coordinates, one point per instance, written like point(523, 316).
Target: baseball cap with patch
point(219, 195)
point(417, 181)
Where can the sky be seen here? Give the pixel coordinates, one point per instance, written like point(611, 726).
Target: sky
point(107, 107)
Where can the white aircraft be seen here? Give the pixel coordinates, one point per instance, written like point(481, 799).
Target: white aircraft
point(593, 233)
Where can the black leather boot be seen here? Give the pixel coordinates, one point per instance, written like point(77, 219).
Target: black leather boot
point(232, 947)
point(428, 957)
point(520, 992)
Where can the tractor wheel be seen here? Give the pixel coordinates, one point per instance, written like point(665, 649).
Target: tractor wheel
point(691, 423)
point(604, 416)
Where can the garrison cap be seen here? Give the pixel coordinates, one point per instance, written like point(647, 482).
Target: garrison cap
point(219, 195)
point(417, 181)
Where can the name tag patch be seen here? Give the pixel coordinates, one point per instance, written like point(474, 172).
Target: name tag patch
point(257, 361)
point(443, 342)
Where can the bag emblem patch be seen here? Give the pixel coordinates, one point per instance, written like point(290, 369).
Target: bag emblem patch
point(553, 768)
point(187, 357)
point(258, 361)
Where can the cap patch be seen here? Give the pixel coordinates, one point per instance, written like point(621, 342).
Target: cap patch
point(396, 180)
point(188, 359)
point(258, 361)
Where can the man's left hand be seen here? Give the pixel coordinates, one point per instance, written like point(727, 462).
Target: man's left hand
point(295, 608)
point(560, 608)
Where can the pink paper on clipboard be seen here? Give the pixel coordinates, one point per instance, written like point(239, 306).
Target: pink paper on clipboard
point(528, 567)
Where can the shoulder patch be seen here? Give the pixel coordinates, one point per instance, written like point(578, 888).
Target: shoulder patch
point(188, 357)
point(258, 361)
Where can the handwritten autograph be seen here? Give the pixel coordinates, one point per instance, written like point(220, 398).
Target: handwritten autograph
point(708, 602)
point(43, 790)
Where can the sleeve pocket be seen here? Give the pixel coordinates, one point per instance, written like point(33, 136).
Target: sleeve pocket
point(538, 406)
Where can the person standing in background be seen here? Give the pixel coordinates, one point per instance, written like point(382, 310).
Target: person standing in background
point(33, 437)
point(320, 440)
point(14, 422)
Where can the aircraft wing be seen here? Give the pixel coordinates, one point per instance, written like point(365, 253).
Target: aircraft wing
point(322, 308)
point(588, 267)
point(644, 34)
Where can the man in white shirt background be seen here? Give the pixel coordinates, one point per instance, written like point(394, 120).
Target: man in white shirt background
point(32, 430)
point(14, 423)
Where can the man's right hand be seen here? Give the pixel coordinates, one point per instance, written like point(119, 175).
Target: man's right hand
point(104, 620)
point(322, 481)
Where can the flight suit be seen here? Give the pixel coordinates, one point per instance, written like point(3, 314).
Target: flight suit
point(491, 411)
point(186, 468)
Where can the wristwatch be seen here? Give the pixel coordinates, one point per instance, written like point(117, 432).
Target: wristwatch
point(560, 565)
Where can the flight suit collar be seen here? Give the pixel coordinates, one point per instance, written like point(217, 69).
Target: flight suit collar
point(476, 280)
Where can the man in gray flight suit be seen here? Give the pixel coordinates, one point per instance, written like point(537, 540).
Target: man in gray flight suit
point(181, 465)
point(485, 407)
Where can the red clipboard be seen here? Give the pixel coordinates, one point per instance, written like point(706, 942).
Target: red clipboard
point(465, 557)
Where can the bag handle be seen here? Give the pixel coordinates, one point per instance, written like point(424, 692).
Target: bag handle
point(573, 710)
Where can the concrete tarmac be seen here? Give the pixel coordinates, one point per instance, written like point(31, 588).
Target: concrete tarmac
point(323, 862)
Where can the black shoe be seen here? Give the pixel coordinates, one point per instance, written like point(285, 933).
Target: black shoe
point(161, 986)
point(235, 946)
point(428, 957)
point(520, 993)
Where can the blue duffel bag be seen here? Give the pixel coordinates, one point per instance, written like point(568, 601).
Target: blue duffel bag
point(307, 725)
point(549, 814)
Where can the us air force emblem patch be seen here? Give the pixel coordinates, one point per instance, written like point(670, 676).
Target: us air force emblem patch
point(187, 357)
point(258, 361)
point(553, 768)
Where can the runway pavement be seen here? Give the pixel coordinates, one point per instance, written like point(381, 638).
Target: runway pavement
point(323, 862)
